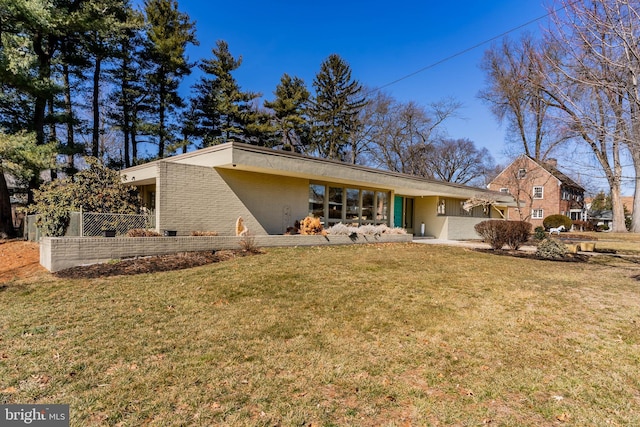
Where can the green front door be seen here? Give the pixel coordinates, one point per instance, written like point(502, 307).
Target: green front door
point(398, 203)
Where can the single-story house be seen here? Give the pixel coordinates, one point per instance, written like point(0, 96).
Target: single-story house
point(208, 189)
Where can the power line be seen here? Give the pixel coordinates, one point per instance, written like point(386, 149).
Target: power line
point(462, 52)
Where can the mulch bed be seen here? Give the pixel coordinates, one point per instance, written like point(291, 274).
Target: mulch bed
point(151, 264)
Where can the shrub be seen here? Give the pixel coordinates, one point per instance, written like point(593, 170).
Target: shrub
point(499, 233)
point(583, 225)
point(248, 244)
point(204, 233)
point(142, 232)
point(555, 221)
point(95, 189)
point(551, 249)
point(311, 225)
point(492, 232)
point(539, 233)
point(517, 233)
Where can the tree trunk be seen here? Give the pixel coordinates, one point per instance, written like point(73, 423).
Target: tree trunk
point(618, 210)
point(134, 142)
point(161, 125)
point(71, 145)
point(95, 136)
point(635, 218)
point(6, 220)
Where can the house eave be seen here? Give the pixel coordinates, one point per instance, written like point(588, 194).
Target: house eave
point(249, 158)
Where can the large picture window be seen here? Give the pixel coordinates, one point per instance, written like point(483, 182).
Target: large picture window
point(352, 213)
point(352, 206)
point(335, 204)
point(382, 207)
point(368, 198)
point(316, 201)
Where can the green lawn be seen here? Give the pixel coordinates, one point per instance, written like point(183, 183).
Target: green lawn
point(397, 334)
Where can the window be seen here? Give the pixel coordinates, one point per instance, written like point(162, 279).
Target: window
point(316, 201)
point(367, 206)
point(504, 190)
point(442, 207)
point(522, 173)
point(382, 211)
point(537, 214)
point(354, 206)
point(537, 192)
point(335, 204)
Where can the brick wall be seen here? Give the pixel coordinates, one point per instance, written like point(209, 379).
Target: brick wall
point(58, 253)
point(196, 198)
point(521, 188)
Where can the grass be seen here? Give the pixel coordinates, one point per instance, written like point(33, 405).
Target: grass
point(403, 334)
point(626, 243)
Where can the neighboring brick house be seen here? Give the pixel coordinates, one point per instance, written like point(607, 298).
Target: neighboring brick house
point(540, 190)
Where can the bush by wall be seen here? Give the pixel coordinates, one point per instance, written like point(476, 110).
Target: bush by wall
point(499, 233)
point(555, 221)
point(517, 233)
point(142, 232)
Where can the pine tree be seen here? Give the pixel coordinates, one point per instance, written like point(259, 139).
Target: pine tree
point(168, 34)
point(129, 93)
point(335, 108)
point(290, 122)
point(225, 112)
point(23, 159)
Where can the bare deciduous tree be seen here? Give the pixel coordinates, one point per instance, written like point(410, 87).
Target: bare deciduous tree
point(398, 135)
point(510, 69)
point(593, 82)
point(454, 160)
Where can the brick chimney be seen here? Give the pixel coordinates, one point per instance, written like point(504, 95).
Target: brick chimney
point(552, 162)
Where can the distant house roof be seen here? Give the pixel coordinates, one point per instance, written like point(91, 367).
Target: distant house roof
point(605, 215)
point(627, 202)
point(551, 167)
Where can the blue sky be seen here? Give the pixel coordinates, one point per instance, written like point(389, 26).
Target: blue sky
point(382, 42)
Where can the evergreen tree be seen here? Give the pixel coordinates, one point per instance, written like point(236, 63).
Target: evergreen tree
point(169, 31)
point(129, 92)
point(23, 159)
point(289, 107)
point(335, 108)
point(225, 112)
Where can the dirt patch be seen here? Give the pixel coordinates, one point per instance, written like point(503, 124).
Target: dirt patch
point(150, 264)
point(19, 260)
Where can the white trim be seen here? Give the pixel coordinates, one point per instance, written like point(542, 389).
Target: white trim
point(541, 192)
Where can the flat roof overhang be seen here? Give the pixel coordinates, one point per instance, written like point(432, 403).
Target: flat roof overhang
point(244, 157)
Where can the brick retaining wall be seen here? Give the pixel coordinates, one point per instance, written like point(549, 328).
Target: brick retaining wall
point(58, 253)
